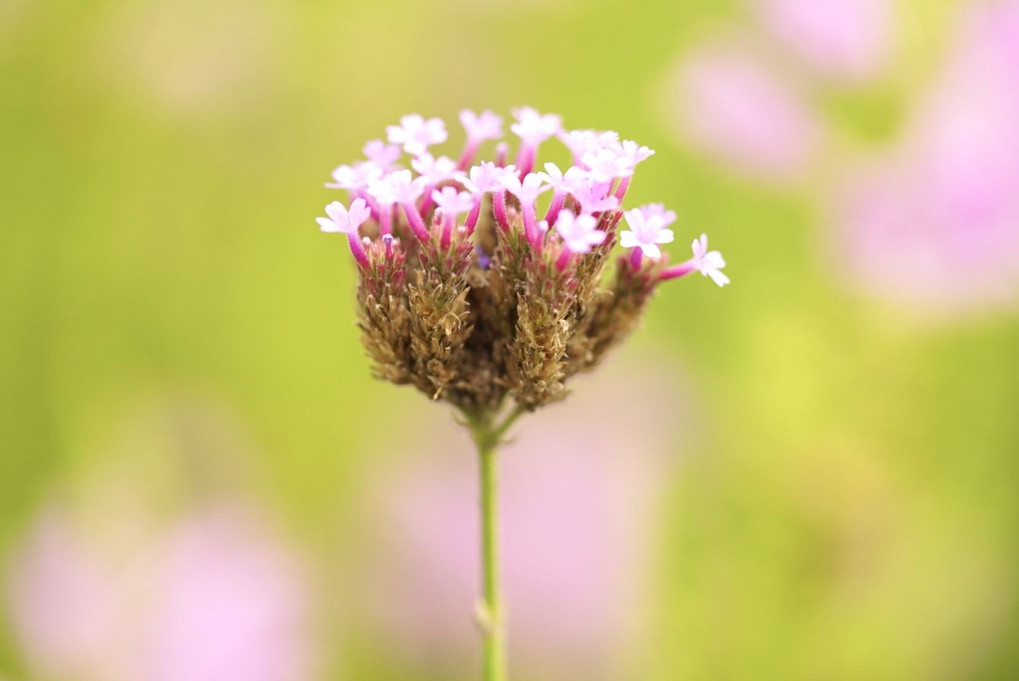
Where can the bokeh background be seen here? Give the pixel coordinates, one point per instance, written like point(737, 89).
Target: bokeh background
point(811, 474)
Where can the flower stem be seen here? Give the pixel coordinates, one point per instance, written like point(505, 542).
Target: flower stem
point(487, 437)
point(493, 633)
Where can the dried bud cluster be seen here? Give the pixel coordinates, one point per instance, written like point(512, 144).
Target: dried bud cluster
point(464, 293)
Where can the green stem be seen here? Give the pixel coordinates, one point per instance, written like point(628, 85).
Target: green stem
point(492, 625)
point(487, 437)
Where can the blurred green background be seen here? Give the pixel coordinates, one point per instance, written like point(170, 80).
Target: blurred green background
point(848, 508)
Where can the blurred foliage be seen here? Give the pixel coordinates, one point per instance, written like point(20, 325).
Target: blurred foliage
point(849, 509)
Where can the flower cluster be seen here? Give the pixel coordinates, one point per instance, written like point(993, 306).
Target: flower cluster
point(482, 280)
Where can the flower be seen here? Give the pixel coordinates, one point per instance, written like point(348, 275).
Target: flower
point(580, 142)
point(652, 209)
point(527, 190)
point(592, 196)
point(399, 187)
point(608, 163)
point(579, 233)
point(635, 152)
point(356, 176)
point(574, 177)
point(416, 134)
point(487, 177)
point(645, 233)
point(451, 202)
point(423, 318)
point(709, 263)
point(534, 128)
point(435, 170)
point(342, 220)
point(381, 154)
point(931, 221)
point(214, 595)
point(847, 40)
point(481, 127)
point(734, 108)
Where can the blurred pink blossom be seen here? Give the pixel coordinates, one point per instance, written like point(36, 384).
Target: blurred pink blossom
point(731, 105)
point(578, 491)
point(215, 597)
point(846, 40)
point(935, 220)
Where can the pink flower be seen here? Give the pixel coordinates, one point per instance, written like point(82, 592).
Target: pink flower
point(581, 142)
point(416, 134)
point(214, 597)
point(653, 209)
point(528, 190)
point(434, 170)
point(343, 221)
point(645, 233)
point(579, 233)
point(567, 182)
point(843, 39)
point(563, 184)
point(635, 152)
point(381, 154)
point(593, 196)
point(534, 128)
point(608, 163)
point(933, 221)
point(355, 177)
point(481, 127)
point(708, 263)
point(488, 177)
point(451, 202)
point(231, 606)
point(399, 187)
point(735, 108)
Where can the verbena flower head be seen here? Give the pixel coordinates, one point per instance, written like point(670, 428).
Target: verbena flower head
point(500, 305)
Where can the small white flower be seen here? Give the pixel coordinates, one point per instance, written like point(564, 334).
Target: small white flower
point(710, 263)
point(381, 154)
point(399, 187)
point(415, 134)
point(645, 233)
point(528, 190)
point(592, 196)
point(608, 163)
point(451, 202)
point(652, 209)
point(356, 176)
point(435, 170)
point(579, 233)
point(581, 142)
point(487, 177)
point(342, 220)
point(481, 127)
point(534, 128)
